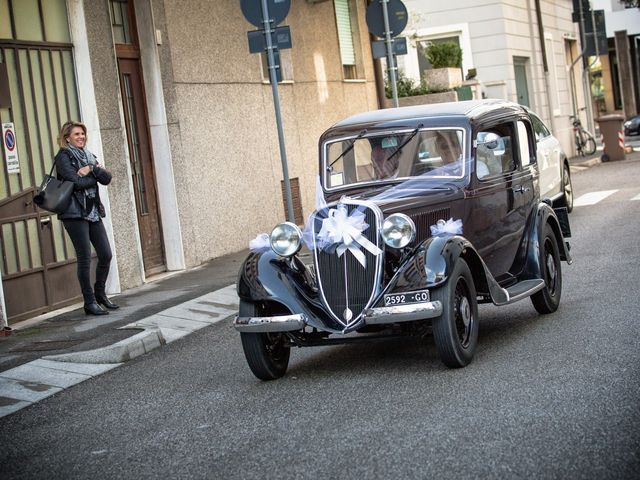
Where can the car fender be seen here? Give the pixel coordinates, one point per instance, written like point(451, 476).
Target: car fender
point(267, 277)
point(544, 215)
point(430, 264)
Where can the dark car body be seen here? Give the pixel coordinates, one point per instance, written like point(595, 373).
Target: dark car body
point(632, 126)
point(509, 247)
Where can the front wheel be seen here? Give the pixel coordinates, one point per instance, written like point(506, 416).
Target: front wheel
point(589, 145)
point(547, 300)
point(456, 330)
point(267, 353)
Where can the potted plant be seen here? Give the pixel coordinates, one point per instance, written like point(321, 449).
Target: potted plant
point(446, 60)
point(411, 92)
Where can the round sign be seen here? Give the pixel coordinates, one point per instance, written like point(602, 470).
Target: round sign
point(252, 11)
point(398, 18)
point(9, 140)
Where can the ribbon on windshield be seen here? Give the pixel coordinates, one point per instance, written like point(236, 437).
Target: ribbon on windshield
point(345, 232)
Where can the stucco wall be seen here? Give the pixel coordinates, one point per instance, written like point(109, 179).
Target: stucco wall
point(222, 123)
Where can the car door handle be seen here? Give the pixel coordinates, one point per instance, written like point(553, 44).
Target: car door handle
point(521, 189)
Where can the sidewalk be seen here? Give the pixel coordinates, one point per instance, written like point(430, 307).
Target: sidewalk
point(52, 352)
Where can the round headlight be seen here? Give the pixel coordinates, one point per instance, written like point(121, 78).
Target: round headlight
point(398, 230)
point(286, 239)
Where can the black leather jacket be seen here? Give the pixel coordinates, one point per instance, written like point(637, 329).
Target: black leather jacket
point(67, 169)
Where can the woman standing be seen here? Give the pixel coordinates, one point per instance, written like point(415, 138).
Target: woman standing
point(83, 218)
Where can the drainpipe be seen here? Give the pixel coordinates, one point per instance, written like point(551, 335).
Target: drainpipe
point(545, 65)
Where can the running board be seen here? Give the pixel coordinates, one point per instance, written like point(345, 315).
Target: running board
point(520, 290)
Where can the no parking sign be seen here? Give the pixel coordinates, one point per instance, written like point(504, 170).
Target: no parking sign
point(10, 148)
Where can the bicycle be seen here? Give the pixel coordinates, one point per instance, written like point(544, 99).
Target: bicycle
point(585, 143)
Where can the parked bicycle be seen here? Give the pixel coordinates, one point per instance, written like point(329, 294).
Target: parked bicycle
point(585, 143)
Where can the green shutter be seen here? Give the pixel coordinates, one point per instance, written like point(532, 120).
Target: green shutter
point(345, 35)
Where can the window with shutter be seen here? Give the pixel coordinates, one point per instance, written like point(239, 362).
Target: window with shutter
point(347, 37)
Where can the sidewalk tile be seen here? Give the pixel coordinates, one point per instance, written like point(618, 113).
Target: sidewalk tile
point(26, 391)
point(47, 376)
point(91, 369)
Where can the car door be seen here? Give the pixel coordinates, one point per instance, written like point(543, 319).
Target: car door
point(548, 154)
point(499, 201)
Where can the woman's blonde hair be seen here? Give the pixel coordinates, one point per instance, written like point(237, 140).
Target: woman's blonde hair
point(65, 131)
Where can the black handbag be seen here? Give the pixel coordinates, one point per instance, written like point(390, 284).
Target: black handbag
point(54, 195)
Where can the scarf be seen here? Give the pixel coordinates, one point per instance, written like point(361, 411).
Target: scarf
point(84, 158)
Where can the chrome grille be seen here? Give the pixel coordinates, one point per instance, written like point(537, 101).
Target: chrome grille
point(424, 220)
point(343, 281)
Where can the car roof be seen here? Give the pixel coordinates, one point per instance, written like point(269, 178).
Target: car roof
point(468, 108)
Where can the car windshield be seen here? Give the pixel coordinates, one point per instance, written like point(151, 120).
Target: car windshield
point(430, 154)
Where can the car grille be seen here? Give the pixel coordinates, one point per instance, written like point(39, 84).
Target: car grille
point(344, 282)
point(424, 220)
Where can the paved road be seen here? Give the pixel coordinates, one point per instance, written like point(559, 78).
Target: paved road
point(547, 396)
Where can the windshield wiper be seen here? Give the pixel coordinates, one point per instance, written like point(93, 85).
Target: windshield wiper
point(348, 149)
point(413, 134)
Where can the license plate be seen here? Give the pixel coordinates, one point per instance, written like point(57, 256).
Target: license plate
point(405, 298)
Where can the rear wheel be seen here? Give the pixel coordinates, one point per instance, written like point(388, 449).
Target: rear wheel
point(589, 147)
point(267, 353)
point(547, 300)
point(456, 330)
point(567, 187)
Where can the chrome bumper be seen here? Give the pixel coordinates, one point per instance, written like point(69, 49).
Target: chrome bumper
point(281, 323)
point(402, 313)
point(372, 316)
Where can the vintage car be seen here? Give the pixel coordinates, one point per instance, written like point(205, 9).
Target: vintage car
point(423, 213)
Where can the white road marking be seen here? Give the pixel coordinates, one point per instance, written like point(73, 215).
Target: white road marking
point(592, 198)
point(637, 197)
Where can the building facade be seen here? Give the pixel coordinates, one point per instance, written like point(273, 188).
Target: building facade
point(182, 115)
point(501, 40)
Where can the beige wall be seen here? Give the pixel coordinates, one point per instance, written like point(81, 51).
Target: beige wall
point(226, 157)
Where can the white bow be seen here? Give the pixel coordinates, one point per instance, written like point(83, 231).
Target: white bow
point(345, 231)
point(451, 227)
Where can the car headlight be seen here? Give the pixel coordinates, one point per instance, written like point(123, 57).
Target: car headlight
point(286, 239)
point(627, 123)
point(398, 230)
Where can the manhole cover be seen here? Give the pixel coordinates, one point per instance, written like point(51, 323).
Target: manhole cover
point(46, 345)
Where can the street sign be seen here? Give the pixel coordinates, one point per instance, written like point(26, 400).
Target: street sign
point(258, 42)
point(379, 48)
point(398, 18)
point(252, 11)
point(10, 148)
point(595, 32)
point(266, 14)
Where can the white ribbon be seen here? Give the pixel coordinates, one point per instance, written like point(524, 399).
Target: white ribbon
point(261, 243)
point(450, 227)
point(345, 231)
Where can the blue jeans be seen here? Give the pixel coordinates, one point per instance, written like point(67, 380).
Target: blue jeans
point(84, 234)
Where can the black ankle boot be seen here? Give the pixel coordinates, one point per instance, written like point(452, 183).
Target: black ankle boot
point(105, 302)
point(94, 309)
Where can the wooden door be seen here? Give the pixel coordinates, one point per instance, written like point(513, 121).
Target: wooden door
point(141, 161)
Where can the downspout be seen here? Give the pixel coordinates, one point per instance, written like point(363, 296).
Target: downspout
point(545, 65)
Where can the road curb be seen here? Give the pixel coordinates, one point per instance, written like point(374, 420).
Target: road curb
point(129, 348)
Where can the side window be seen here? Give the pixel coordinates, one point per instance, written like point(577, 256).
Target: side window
point(539, 128)
point(523, 144)
point(494, 151)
